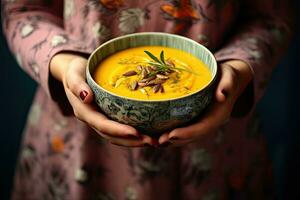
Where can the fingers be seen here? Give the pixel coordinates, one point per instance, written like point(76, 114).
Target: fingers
point(190, 133)
point(165, 141)
point(88, 114)
point(114, 132)
point(80, 97)
point(218, 113)
point(209, 123)
point(131, 142)
point(75, 80)
point(163, 138)
point(226, 86)
point(128, 142)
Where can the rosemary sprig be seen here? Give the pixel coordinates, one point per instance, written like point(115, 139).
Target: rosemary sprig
point(162, 66)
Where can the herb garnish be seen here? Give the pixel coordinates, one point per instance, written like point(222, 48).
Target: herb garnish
point(152, 73)
point(162, 65)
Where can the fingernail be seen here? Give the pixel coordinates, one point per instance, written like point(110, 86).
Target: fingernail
point(83, 94)
point(165, 144)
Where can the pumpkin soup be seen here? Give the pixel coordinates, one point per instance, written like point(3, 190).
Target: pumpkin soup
point(152, 73)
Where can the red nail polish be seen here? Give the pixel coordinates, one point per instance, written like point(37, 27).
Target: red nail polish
point(83, 94)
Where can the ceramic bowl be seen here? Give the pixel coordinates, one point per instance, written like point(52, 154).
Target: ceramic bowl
point(152, 117)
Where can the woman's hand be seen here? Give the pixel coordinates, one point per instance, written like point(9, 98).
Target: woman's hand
point(70, 70)
point(235, 75)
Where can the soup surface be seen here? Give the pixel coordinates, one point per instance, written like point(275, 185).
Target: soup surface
point(152, 73)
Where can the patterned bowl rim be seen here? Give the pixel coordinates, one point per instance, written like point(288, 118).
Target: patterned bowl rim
point(214, 65)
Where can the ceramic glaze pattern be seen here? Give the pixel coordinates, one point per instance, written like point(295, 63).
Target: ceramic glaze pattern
point(152, 117)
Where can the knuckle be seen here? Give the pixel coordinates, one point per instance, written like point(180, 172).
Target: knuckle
point(74, 86)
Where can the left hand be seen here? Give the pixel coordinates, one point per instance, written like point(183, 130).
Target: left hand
point(235, 75)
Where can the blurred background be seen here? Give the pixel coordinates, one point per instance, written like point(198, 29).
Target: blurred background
point(279, 110)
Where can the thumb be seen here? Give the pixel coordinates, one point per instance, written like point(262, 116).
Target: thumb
point(76, 80)
point(226, 85)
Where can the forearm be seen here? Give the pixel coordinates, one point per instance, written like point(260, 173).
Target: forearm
point(35, 35)
point(261, 36)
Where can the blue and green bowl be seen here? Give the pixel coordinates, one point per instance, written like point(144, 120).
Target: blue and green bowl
point(152, 117)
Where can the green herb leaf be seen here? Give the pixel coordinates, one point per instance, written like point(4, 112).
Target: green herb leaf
point(162, 57)
point(162, 66)
point(152, 56)
point(154, 63)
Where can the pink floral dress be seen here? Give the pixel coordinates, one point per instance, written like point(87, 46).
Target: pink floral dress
point(62, 158)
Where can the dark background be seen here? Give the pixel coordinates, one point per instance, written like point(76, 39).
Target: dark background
point(279, 110)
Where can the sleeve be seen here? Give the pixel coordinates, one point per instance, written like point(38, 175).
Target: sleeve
point(264, 30)
point(34, 32)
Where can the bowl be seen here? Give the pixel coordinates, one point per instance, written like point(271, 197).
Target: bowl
point(152, 117)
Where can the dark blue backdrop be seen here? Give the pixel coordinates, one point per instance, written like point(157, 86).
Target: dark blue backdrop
point(279, 110)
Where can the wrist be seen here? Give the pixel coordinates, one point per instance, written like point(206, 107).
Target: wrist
point(60, 62)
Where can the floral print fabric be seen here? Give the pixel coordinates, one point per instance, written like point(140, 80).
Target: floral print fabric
point(61, 158)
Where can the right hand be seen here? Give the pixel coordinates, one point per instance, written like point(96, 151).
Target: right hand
point(70, 70)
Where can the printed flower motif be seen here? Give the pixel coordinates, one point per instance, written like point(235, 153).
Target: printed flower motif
point(112, 4)
point(201, 159)
point(55, 177)
point(279, 34)
point(150, 166)
point(34, 114)
point(19, 59)
point(58, 40)
point(100, 31)
point(26, 30)
point(27, 152)
point(151, 163)
point(60, 124)
point(256, 54)
point(81, 175)
point(69, 9)
point(184, 13)
point(104, 196)
point(251, 40)
point(57, 144)
point(211, 195)
point(198, 166)
point(181, 10)
point(131, 19)
point(131, 193)
point(252, 49)
point(203, 39)
point(28, 161)
point(35, 68)
point(106, 7)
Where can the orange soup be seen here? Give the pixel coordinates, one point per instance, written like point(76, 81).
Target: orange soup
point(152, 73)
